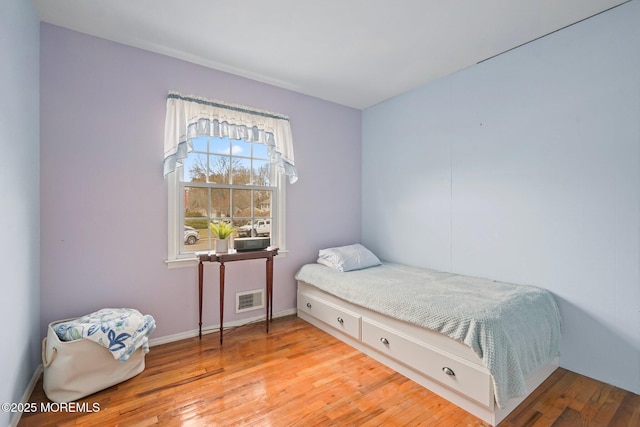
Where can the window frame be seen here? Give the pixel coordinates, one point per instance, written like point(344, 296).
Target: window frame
point(175, 233)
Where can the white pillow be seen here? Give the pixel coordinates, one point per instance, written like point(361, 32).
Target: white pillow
point(347, 258)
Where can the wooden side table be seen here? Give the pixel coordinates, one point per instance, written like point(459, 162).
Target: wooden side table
point(267, 254)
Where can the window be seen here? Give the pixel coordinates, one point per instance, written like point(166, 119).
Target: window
point(224, 163)
point(225, 180)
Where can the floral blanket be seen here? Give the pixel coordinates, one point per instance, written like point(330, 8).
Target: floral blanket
point(121, 330)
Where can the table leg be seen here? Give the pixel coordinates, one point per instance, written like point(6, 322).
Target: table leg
point(269, 291)
point(200, 279)
point(221, 298)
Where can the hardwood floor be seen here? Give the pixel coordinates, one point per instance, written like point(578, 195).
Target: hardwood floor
point(298, 375)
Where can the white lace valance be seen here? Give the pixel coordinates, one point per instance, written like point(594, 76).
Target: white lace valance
point(189, 117)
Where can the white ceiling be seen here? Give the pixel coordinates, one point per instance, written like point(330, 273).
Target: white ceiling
point(352, 52)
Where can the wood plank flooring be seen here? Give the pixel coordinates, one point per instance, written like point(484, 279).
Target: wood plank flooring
point(298, 375)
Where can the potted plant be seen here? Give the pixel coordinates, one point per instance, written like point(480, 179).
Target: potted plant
point(222, 231)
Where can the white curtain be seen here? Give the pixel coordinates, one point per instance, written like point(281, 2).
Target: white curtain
point(189, 117)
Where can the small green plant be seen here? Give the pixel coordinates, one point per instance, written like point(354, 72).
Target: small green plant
point(222, 230)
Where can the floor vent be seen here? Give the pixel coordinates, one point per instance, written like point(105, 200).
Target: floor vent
point(249, 300)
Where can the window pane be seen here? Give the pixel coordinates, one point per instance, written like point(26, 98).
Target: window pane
point(195, 230)
point(241, 148)
point(261, 172)
point(195, 167)
point(262, 227)
point(200, 143)
point(242, 203)
point(243, 227)
point(195, 235)
point(219, 167)
point(219, 145)
point(260, 151)
point(220, 203)
point(262, 203)
point(195, 202)
point(241, 171)
point(204, 244)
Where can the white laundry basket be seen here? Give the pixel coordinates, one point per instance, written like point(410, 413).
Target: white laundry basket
point(75, 369)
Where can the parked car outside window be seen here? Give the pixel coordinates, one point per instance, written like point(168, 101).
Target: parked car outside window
point(191, 235)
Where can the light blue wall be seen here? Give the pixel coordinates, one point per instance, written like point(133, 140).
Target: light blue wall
point(19, 196)
point(526, 168)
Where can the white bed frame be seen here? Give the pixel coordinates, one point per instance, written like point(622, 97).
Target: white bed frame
point(443, 365)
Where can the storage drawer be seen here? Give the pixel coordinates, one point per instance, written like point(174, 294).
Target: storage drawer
point(447, 369)
point(339, 318)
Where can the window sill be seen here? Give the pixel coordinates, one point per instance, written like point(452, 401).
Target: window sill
point(181, 262)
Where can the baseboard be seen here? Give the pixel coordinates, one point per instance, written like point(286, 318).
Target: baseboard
point(215, 328)
point(26, 395)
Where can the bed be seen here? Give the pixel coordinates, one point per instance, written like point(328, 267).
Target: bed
point(484, 345)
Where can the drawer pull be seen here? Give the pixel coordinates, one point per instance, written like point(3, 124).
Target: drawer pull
point(449, 371)
point(383, 340)
point(340, 320)
point(308, 305)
